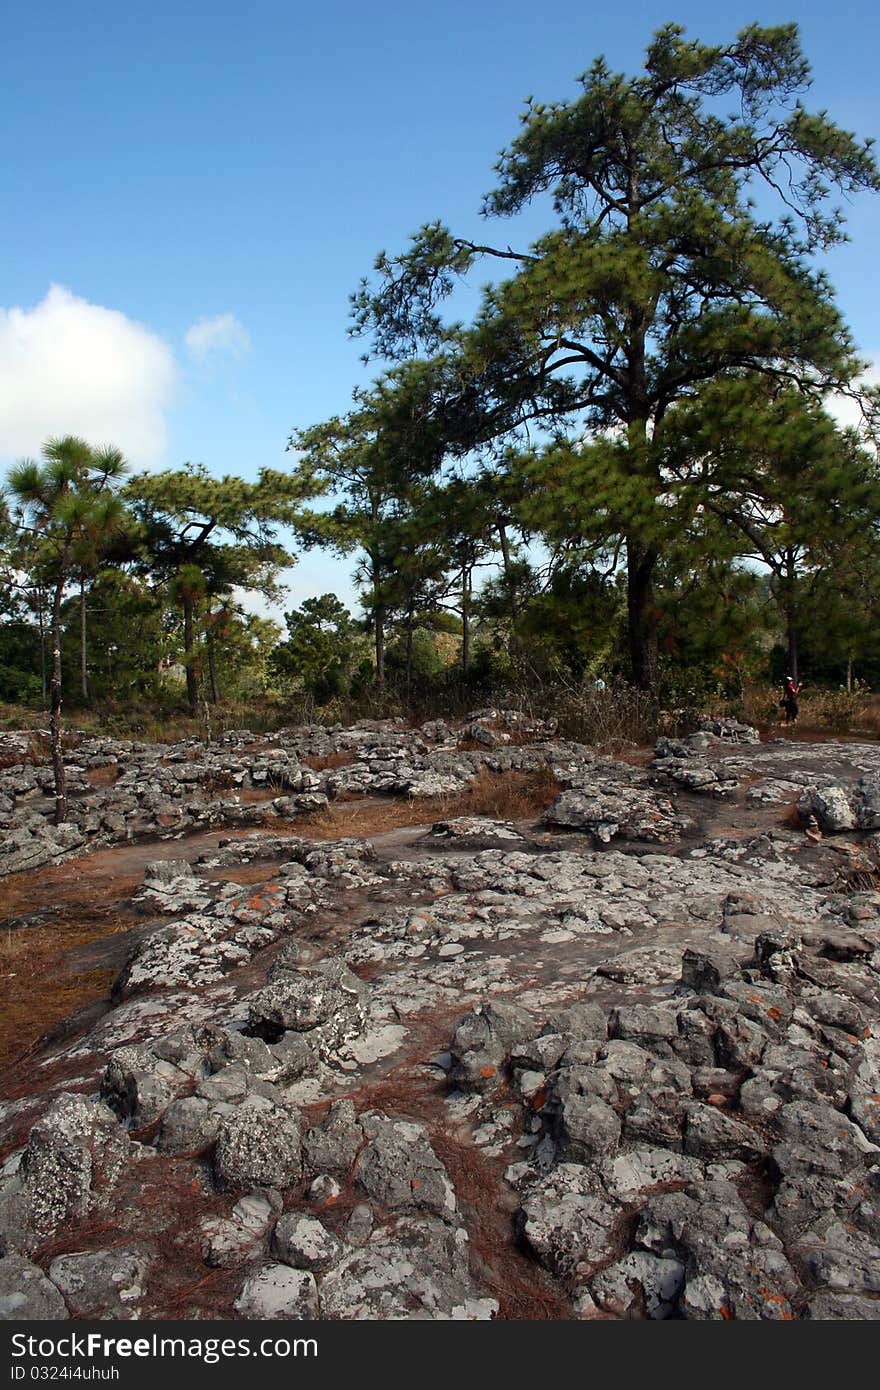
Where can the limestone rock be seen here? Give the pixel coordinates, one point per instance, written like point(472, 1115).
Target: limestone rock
point(400, 1170)
point(305, 1243)
point(569, 1221)
point(410, 1268)
point(258, 1145)
point(277, 1291)
point(26, 1295)
point(75, 1154)
point(101, 1283)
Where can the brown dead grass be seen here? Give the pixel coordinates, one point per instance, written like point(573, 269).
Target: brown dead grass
point(523, 1289)
point(859, 880)
point(244, 874)
point(248, 796)
point(790, 817)
point(330, 761)
point(636, 757)
point(105, 776)
point(362, 818)
point(37, 988)
point(500, 796)
point(36, 991)
point(507, 796)
point(94, 881)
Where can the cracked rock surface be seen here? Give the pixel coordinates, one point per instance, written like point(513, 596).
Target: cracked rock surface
point(618, 1060)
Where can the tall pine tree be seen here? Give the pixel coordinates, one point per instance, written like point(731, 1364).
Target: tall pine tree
point(690, 203)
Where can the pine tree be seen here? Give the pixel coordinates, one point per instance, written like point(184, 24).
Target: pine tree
point(690, 204)
point(67, 504)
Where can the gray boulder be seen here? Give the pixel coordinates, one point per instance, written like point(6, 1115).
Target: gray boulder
point(101, 1283)
point(277, 1291)
point(640, 1285)
point(332, 1146)
point(711, 1135)
point(258, 1145)
point(569, 1221)
point(26, 1295)
point(816, 1138)
point(305, 1243)
point(231, 1240)
point(400, 1170)
point(189, 1126)
point(633, 813)
point(839, 1257)
point(482, 1041)
point(410, 1268)
point(326, 1000)
point(830, 805)
point(586, 1129)
point(734, 1267)
point(74, 1157)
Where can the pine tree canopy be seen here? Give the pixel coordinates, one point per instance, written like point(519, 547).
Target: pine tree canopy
point(688, 206)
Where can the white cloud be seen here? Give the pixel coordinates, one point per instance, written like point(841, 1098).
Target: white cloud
point(71, 367)
point(222, 333)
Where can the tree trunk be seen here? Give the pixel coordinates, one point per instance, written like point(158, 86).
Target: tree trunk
point(212, 668)
point(379, 620)
point(55, 710)
point(504, 544)
point(641, 557)
point(513, 605)
point(641, 561)
point(192, 678)
point(41, 619)
point(465, 621)
point(409, 652)
point(792, 646)
point(789, 579)
point(83, 667)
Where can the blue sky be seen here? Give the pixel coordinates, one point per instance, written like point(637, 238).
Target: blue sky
point(203, 184)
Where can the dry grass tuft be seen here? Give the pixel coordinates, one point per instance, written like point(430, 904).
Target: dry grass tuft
point(105, 776)
point(790, 817)
point(505, 795)
point(362, 817)
point(38, 988)
point(329, 761)
point(33, 998)
point(860, 880)
point(524, 1291)
point(500, 796)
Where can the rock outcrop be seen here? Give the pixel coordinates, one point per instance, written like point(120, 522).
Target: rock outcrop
point(621, 1060)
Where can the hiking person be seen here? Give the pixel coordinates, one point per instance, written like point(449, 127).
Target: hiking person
point(790, 691)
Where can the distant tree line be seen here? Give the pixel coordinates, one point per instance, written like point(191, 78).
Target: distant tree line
point(623, 464)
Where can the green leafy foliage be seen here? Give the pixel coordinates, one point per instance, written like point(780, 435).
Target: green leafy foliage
point(659, 279)
point(322, 650)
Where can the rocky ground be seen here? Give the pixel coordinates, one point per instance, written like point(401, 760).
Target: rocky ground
point(620, 1060)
